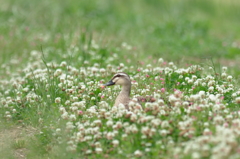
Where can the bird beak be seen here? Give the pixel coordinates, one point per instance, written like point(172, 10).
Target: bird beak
point(109, 83)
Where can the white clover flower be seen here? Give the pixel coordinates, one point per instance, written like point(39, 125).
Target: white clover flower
point(102, 70)
point(98, 150)
point(88, 152)
point(177, 150)
point(185, 104)
point(156, 95)
point(200, 81)
point(160, 60)
point(206, 148)
point(109, 123)
point(149, 66)
point(14, 111)
point(82, 104)
point(115, 143)
point(211, 83)
point(172, 98)
point(95, 130)
point(58, 100)
point(224, 69)
point(155, 122)
point(170, 63)
point(148, 105)
point(207, 131)
point(196, 83)
point(97, 144)
point(204, 84)
point(62, 109)
point(40, 120)
point(194, 97)
point(229, 117)
point(94, 70)
point(160, 102)
point(164, 132)
point(63, 64)
point(196, 155)
point(194, 77)
point(221, 150)
point(69, 126)
point(58, 72)
point(83, 87)
point(7, 113)
point(187, 78)
point(163, 112)
point(218, 119)
point(147, 149)
point(58, 130)
point(168, 70)
point(212, 97)
point(26, 89)
point(206, 124)
point(88, 138)
point(83, 72)
point(202, 94)
point(190, 81)
point(138, 153)
point(133, 117)
point(121, 65)
point(226, 111)
point(75, 98)
point(110, 135)
point(133, 129)
point(132, 104)
point(216, 107)
point(72, 117)
point(223, 75)
point(209, 77)
point(211, 89)
point(170, 142)
point(8, 116)
point(220, 90)
point(165, 124)
point(229, 78)
point(97, 136)
point(237, 100)
point(124, 136)
point(97, 122)
point(65, 115)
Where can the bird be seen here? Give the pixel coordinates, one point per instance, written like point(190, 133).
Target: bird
point(123, 79)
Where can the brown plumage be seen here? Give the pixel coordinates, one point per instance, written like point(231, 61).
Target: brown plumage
point(124, 80)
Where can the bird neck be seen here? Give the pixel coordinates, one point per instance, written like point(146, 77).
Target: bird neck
point(124, 95)
point(126, 90)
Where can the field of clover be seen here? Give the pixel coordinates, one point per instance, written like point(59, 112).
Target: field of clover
point(195, 115)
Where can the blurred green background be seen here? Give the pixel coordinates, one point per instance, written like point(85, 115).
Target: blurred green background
point(186, 30)
point(138, 31)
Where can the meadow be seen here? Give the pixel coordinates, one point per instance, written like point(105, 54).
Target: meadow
point(56, 56)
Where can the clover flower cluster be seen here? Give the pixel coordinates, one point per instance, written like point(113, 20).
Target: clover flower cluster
point(195, 113)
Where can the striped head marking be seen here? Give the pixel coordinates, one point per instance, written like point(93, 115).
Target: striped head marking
point(120, 78)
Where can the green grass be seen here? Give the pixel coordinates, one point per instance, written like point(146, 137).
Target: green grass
point(168, 29)
point(52, 49)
